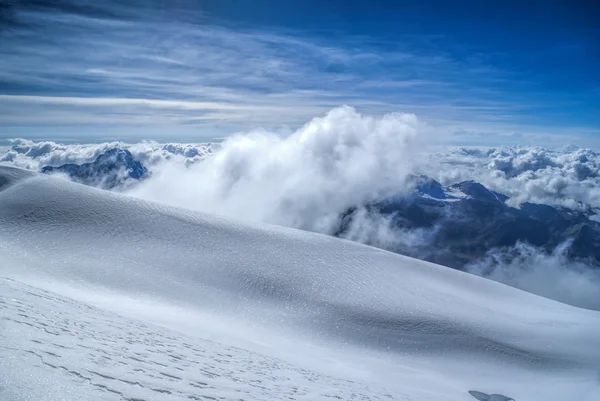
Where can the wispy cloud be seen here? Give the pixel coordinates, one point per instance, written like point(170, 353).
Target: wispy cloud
point(105, 101)
point(121, 65)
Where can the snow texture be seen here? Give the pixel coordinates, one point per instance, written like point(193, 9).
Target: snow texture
point(107, 297)
point(97, 355)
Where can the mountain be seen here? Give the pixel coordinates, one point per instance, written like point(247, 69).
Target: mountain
point(110, 169)
point(108, 297)
point(466, 220)
point(462, 221)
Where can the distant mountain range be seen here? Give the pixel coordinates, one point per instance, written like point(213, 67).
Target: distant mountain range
point(110, 169)
point(462, 221)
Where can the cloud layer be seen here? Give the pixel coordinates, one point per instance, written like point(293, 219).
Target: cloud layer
point(568, 177)
point(33, 155)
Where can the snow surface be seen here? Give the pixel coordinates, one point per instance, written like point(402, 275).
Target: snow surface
point(103, 296)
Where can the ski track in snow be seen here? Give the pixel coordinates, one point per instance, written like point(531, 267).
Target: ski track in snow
point(124, 359)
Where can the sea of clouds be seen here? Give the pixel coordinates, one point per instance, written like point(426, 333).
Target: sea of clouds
point(308, 178)
point(568, 177)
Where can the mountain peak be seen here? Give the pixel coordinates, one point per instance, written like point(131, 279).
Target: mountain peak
point(108, 170)
point(477, 191)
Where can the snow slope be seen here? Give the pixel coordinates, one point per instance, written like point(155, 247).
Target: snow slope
point(108, 297)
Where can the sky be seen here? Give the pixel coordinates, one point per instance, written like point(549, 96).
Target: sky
point(477, 73)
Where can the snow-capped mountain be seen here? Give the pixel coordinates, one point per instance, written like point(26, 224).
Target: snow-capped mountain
point(463, 221)
point(109, 297)
point(110, 169)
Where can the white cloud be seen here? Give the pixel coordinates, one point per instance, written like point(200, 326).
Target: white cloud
point(173, 73)
point(35, 155)
point(565, 177)
point(568, 177)
point(116, 102)
point(551, 275)
point(304, 180)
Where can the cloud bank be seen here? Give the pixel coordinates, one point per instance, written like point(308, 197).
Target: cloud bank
point(304, 180)
point(568, 177)
point(32, 155)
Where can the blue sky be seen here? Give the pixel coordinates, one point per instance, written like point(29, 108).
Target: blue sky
point(479, 72)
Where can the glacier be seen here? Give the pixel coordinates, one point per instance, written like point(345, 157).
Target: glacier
point(104, 296)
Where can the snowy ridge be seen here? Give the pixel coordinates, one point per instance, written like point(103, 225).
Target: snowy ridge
point(336, 308)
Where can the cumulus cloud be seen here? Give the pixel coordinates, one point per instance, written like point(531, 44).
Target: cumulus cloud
point(153, 154)
point(550, 275)
point(9, 156)
point(513, 162)
point(34, 149)
point(304, 180)
point(36, 155)
point(568, 177)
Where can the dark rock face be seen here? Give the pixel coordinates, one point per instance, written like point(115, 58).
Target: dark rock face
point(477, 191)
point(110, 169)
point(466, 220)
